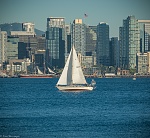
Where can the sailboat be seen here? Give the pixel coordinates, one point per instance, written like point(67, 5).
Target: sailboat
point(39, 74)
point(72, 78)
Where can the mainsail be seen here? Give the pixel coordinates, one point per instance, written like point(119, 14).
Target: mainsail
point(72, 73)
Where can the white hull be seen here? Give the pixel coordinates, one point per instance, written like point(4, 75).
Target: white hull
point(75, 88)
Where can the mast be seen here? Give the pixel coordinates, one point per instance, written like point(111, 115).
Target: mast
point(72, 66)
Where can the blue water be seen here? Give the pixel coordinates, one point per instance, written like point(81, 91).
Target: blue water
point(34, 108)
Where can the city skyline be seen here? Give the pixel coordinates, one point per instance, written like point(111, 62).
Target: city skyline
point(111, 12)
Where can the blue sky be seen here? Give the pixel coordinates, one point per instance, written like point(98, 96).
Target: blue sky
point(110, 11)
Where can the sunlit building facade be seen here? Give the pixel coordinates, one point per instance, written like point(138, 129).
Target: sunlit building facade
point(129, 40)
point(141, 59)
point(78, 36)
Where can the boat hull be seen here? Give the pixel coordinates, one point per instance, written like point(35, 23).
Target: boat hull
point(35, 76)
point(75, 88)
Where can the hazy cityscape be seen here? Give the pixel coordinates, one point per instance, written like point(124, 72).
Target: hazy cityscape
point(22, 50)
point(75, 69)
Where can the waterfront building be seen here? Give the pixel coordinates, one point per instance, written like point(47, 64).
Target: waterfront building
point(102, 46)
point(114, 52)
point(141, 63)
point(78, 36)
point(129, 41)
point(144, 35)
point(19, 65)
point(12, 47)
point(148, 62)
point(87, 63)
point(55, 41)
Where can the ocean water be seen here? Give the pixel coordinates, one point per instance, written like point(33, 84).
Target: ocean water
point(34, 108)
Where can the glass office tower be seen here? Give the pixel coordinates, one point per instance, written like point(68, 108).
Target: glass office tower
point(55, 42)
point(144, 35)
point(129, 37)
point(102, 46)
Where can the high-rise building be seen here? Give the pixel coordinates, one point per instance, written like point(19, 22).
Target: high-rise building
point(144, 35)
point(102, 46)
point(78, 36)
point(55, 42)
point(3, 47)
point(68, 40)
point(114, 52)
point(129, 41)
point(123, 62)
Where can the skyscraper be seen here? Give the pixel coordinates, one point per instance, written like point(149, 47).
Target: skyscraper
point(144, 35)
point(3, 47)
point(129, 37)
point(55, 42)
point(68, 40)
point(78, 36)
point(114, 52)
point(102, 46)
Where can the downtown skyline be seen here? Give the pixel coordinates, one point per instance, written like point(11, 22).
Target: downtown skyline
point(111, 12)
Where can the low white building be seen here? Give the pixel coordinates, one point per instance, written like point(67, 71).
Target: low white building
point(141, 63)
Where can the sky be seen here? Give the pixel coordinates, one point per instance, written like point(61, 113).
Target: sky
point(110, 11)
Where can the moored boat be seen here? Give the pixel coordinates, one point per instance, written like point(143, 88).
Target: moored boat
point(38, 75)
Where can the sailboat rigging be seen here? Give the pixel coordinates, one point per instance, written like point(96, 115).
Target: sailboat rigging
point(72, 78)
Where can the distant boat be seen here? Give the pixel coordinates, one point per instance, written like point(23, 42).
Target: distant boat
point(39, 74)
point(134, 77)
point(72, 78)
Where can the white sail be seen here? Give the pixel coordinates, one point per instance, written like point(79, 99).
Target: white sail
point(65, 78)
point(72, 78)
point(72, 73)
point(77, 74)
point(50, 71)
point(39, 72)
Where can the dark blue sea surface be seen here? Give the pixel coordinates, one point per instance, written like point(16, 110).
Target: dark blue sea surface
point(34, 108)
